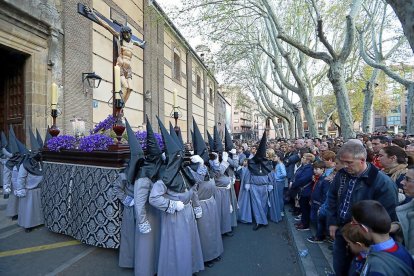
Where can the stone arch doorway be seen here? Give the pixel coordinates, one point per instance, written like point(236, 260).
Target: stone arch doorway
point(12, 92)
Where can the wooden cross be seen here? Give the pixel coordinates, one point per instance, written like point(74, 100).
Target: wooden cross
point(115, 26)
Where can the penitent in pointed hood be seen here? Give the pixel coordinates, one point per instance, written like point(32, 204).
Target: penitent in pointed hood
point(137, 155)
point(199, 145)
point(34, 143)
point(228, 143)
point(259, 164)
point(32, 161)
point(39, 138)
point(153, 160)
point(12, 141)
point(47, 136)
point(172, 177)
point(210, 141)
point(4, 142)
point(176, 137)
point(218, 144)
point(16, 158)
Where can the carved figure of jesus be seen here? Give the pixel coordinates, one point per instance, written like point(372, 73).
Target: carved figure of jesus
point(125, 48)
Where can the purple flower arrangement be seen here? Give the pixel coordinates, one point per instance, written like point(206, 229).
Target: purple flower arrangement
point(142, 138)
point(61, 142)
point(104, 125)
point(95, 142)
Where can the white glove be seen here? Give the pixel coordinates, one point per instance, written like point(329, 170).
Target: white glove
point(20, 193)
point(231, 209)
point(131, 203)
point(197, 159)
point(6, 191)
point(269, 188)
point(179, 206)
point(233, 151)
point(228, 187)
point(163, 156)
point(144, 227)
point(225, 156)
point(247, 187)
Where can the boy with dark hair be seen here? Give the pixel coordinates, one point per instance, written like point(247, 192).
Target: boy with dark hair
point(305, 197)
point(385, 257)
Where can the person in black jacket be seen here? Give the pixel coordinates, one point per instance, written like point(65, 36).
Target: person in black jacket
point(303, 183)
point(357, 181)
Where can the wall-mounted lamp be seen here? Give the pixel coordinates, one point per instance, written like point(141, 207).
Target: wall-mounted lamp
point(93, 79)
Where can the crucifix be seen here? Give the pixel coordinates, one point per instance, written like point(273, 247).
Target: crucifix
point(123, 42)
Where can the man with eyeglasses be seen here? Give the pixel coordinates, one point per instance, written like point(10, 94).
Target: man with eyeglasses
point(358, 180)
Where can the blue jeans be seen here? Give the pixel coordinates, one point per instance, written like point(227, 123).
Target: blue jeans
point(321, 226)
point(280, 185)
point(341, 256)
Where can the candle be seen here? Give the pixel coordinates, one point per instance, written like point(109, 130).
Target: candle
point(175, 98)
point(117, 79)
point(54, 96)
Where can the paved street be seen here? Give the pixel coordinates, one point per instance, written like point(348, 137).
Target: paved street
point(268, 251)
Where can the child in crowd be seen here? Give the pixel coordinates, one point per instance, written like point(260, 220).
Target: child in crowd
point(358, 244)
point(280, 176)
point(385, 257)
point(319, 189)
point(309, 215)
point(319, 195)
point(302, 182)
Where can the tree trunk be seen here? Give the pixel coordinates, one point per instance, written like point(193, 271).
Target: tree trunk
point(368, 113)
point(286, 124)
point(410, 109)
point(274, 121)
point(325, 126)
point(299, 125)
point(404, 9)
point(307, 110)
point(337, 79)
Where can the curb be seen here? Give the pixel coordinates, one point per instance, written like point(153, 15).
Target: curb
point(319, 258)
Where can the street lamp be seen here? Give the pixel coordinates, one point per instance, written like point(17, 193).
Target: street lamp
point(93, 80)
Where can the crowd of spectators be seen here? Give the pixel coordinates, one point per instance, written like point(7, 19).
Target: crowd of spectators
point(335, 186)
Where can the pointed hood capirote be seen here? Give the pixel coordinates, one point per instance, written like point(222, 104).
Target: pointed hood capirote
point(199, 145)
point(34, 143)
point(228, 143)
point(47, 136)
point(16, 158)
point(210, 141)
point(137, 155)
point(218, 144)
point(5, 148)
point(12, 141)
point(153, 160)
point(32, 161)
point(259, 164)
point(176, 137)
point(4, 142)
point(22, 148)
point(172, 178)
point(39, 138)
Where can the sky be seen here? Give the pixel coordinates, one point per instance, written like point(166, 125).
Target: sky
point(173, 4)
